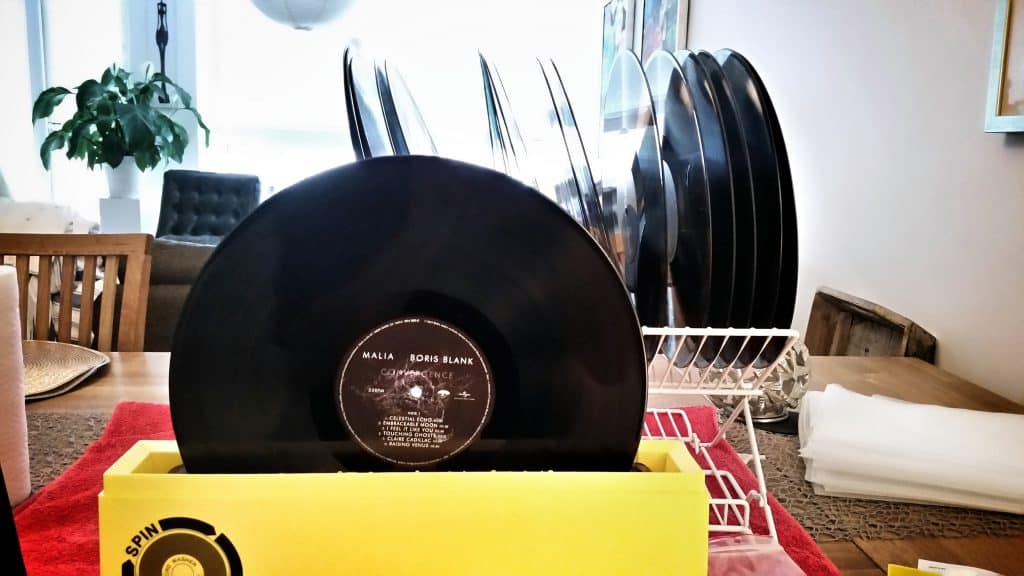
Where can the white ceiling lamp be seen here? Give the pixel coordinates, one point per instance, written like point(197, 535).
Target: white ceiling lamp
point(303, 14)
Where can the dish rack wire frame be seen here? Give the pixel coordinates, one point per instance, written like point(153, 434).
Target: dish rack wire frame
point(741, 362)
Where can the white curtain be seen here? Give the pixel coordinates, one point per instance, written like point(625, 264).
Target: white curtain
point(19, 159)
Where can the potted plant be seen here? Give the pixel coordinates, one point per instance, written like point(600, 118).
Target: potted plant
point(117, 125)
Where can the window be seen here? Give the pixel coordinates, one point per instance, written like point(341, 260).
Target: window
point(19, 160)
point(272, 96)
point(80, 39)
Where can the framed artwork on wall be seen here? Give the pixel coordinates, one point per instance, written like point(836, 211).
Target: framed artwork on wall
point(662, 26)
point(618, 34)
point(1004, 111)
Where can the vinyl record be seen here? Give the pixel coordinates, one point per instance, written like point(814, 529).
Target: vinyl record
point(745, 231)
point(352, 116)
point(683, 154)
point(507, 146)
point(10, 546)
point(365, 110)
point(764, 171)
point(406, 128)
point(394, 314)
point(632, 190)
point(537, 118)
point(577, 154)
point(718, 178)
point(735, 64)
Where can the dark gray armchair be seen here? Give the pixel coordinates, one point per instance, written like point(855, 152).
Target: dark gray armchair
point(175, 267)
point(203, 207)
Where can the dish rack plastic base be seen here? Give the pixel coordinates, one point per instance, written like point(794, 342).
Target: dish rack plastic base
point(716, 362)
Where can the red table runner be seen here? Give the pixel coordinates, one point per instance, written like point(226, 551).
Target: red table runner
point(59, 532)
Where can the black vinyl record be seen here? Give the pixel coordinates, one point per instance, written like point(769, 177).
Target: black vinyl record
point(406, 128)
point(10, 546)
point(764, 171)
point(736, 65)
point(395, 314)
point(536, 114)
point(352, 116)
point(683, 154)
point(632, 189)
point(719, 182)
point(577, 154)
point(745, 231)
point(507, 146)
point(366, 112)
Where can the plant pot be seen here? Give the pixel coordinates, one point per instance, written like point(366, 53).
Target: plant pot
point(123, 181)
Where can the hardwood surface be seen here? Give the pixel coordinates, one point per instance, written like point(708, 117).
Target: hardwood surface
point(136, 376)
point(850, 559)
point(909, 379)
point(143, 377)
point(133, 250)
point(1002, 555)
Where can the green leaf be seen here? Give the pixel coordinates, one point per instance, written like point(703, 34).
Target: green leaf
point(54, 141)
point(180, 141)
point(121, 85)
point(183, 95)
point(79, 141)
point(88, 93)
point(199, 120)
point(173, 138)
point(104, 112)
point(146, 158)
point(186, 103)
point(121, 80)
point(137, 125)
point(112, 151)
point(48, 100)
point(75, 139)
point(116, 118)
point(144, 92)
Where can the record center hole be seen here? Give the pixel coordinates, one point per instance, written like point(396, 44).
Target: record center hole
point(416, 392)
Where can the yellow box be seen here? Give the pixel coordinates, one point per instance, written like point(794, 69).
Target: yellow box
point(425, 523)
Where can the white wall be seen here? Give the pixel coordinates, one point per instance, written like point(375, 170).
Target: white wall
point(901, 197)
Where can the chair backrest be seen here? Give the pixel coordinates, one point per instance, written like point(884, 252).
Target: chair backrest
point(845, 325)
point(205, 205)
point(123, 256)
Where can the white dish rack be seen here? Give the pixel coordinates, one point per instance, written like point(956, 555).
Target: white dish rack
point(716, 362)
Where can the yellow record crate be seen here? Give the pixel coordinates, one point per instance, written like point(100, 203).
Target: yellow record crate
point(153, 522)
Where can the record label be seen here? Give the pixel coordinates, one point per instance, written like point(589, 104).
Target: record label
point(415, 391)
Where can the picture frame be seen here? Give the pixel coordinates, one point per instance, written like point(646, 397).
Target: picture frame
point(1004, 109)
point(617, 34)
point(662, 25)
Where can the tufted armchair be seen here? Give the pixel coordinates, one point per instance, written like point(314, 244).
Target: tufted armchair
point(203, 207)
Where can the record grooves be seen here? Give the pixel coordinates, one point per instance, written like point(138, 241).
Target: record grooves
point(283, 299)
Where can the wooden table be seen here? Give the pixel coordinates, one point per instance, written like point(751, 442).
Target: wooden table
point(143, 377)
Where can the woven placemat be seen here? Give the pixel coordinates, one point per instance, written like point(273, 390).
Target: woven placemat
point(58, 439)
point(53, 368)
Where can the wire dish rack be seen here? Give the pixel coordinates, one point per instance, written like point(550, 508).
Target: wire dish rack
point(716, 362)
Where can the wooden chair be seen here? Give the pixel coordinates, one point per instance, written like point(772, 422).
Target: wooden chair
point(132, 252)
point(845, 325)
